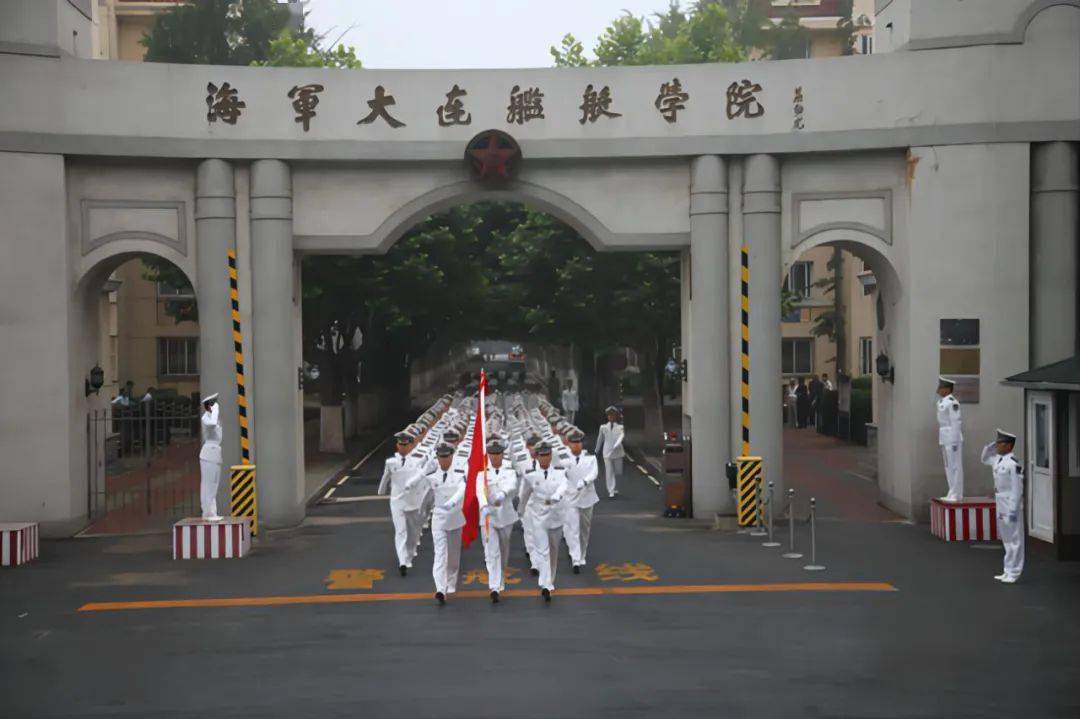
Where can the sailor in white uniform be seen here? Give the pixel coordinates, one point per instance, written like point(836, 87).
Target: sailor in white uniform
point(1008, 502)
point(581, 474)
point(447, 485)
point(609, 445)
point(210, 458)
point(498, 517)
point(545, 513)
point(951, 439)
point(402, 479)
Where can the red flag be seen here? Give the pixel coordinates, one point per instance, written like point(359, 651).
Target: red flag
point(477, 464)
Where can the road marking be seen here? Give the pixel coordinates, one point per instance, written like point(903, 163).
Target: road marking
point(672, 589)
point(353, 578)
point(646, 473)
point(345, 500)
point(343, 480)
point(329, 493)
point(368, 455)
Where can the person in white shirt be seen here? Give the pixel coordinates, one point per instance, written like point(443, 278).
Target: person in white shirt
point(1008, 502)
point(545, 513)
point(402, 479)
point(570, 401)
point(828, 384)
point(951, 439)
point(609, 445)
point(581, 473)
point(498, 517)
point(210, 458)
point(523, 464)
point(447, 485)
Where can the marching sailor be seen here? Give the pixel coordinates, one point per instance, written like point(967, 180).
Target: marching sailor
point(402, 480)
point(210, 458)
point(609, 445)
point(545, 513)
point(498, 516)
point(570, 402)
point(447, 485)
point(1008, 502)
point(581, 473)
point(523, 465)
point(950, 439)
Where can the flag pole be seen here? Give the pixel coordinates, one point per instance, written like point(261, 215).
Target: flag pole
point(483, 443)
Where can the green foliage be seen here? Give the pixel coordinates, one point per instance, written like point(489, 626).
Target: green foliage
point(570, 53)
point(156, 269)
point(288, 50)
point(207, 33)
point(845, 27)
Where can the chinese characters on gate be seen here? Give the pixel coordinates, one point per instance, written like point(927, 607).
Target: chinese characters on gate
point(525, 104)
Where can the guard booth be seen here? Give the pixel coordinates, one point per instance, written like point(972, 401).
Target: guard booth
point(1052, 453)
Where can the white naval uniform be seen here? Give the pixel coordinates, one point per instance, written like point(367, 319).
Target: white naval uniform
point(952, 445)
point(497, 521)
point(570, 404)
point(210, 461)
point(609, 445)
point(523, 467)
point(402, 479)
point(581, 473)
point(1008, 504)
point(545, 513)
point(447, 519)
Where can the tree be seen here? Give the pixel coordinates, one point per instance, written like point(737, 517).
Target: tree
point(831, 322)
point(845, 27)
point(788, 40)
point(217, 32)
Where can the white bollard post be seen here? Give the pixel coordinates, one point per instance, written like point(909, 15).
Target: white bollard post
point(813, 566)
point(791, 553)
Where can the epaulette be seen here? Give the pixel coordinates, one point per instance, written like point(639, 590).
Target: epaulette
point(460, 471)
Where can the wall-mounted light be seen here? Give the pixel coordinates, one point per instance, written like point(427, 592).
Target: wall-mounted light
point(95, 381)
point(884, 368)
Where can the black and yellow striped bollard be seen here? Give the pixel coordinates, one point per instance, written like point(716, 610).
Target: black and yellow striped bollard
point(244, 502)
point(748, 490)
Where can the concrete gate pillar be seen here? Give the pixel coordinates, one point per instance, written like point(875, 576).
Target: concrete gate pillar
point(278, 412)
point(708, 364)
point(1055, 250)
point(215, 234)
point(761, 233)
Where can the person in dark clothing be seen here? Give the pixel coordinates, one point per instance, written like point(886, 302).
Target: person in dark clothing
point(802, 404)
point(553, 389)
point(817, 390)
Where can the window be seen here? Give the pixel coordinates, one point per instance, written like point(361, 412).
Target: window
point(800, 278)
point(797, 356)
point(166, 290)
point(959, 357)
point(866, 355)
point(866, 44)
point(1042, 435)
point(178, 356)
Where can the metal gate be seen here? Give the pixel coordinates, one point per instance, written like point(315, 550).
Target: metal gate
point(142, 465)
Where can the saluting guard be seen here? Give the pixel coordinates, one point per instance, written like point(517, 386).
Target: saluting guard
point(210, 458)
point(951, 439)
point(1008, 502)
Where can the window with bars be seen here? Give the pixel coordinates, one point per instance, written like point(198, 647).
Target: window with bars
point(866, 355)
point(800, 278)
point(178, 356)
point(797, 355)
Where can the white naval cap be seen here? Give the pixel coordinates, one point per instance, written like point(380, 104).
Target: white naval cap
point(209, 398)
point(1003, 436)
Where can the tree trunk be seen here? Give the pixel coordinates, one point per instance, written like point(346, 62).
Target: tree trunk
point(650, 396)
point(838, 310)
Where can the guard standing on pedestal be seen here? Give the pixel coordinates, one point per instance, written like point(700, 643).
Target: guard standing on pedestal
point(210, 458)
point(951, 439)
point(1008, 501)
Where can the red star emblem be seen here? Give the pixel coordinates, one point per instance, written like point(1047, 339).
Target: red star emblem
point(489, 160)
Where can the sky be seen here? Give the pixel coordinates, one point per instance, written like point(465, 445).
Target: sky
point(466, 33)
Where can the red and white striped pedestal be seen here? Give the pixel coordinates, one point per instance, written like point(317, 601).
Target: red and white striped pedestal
point(197, 538)
point(18, 543)
point(972, 519)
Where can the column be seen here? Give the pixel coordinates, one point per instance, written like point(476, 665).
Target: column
point(708, 362)
point(761, 234)
point(1055, 246)
point(215, 235)
point(279, 458)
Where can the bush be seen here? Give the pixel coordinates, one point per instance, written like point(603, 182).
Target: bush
point(862, 411)
point(865, 382)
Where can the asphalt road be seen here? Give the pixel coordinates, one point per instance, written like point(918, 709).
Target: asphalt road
point(945, 641)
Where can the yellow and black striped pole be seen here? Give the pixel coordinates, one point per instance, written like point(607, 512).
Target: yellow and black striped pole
point(748, 490)
point(243, 502)
point(238, 353)
point(744, 298)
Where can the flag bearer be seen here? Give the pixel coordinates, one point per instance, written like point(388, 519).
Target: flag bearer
point(498, 517)
point(1008, 501)
point(609, 445)
point(402, 479)
point(951, 439)
point(447, 485)
point(581, 473)
point(545, 513)
point(210, 458)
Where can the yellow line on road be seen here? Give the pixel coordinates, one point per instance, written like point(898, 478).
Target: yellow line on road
point(483, 594)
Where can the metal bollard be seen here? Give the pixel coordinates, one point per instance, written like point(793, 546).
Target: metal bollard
point(813, 566)
point(791, 553)
point(769, 509)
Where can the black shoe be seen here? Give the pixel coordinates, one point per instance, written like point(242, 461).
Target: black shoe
point(546, 594)
point(494, 596)
point(535, 572)
point(526, 555)
point(577, 569)
point(440, 597)
point(403, 569)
